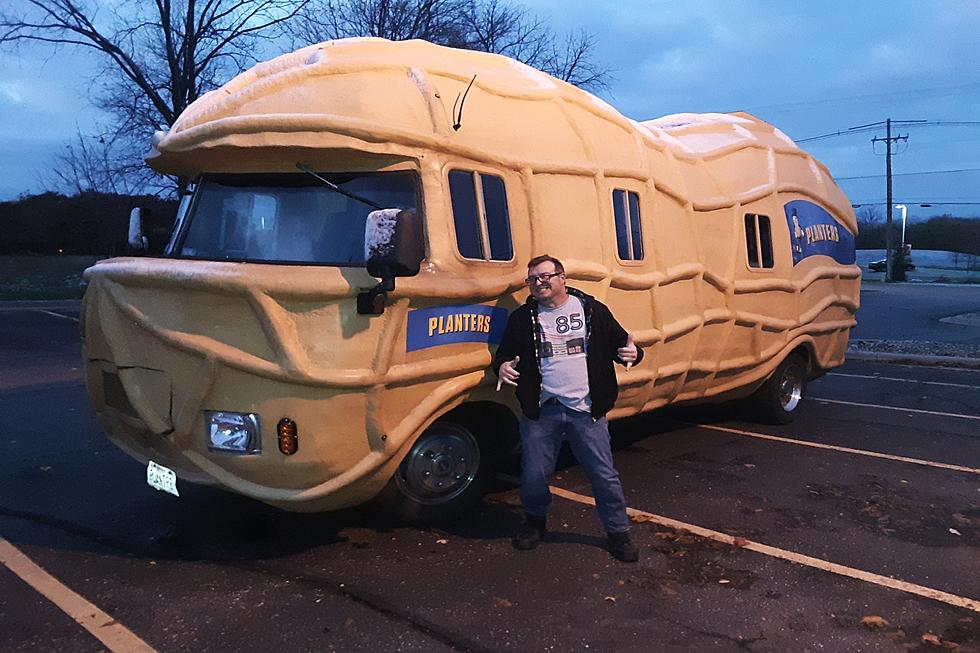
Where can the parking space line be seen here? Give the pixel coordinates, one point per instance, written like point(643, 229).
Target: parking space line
point(895, 378)
point(783, 554)
point(834, 447)
point(898, 408)
point(67, 317)
point(115, 636)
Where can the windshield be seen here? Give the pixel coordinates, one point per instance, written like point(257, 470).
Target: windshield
point(290, 217)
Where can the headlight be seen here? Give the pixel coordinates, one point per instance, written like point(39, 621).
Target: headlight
point(235, 432)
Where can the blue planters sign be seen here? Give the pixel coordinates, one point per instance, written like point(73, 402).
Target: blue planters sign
point(446, 325)
point(814, 232)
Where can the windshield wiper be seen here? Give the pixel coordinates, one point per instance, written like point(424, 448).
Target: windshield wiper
point(334, 187)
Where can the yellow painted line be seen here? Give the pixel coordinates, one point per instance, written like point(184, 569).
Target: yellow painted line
point(782, 554)
point(898, 408)
point(66, 317)
point(897, 379)
point(116, 637)
point(833, 447)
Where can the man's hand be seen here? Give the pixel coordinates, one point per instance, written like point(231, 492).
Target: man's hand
point(508, 373)
point(626, 353)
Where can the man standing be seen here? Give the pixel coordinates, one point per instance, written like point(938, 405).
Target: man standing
point(558, 351)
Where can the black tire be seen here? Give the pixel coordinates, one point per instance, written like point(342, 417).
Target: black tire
point(778, 399)
point(446, 472)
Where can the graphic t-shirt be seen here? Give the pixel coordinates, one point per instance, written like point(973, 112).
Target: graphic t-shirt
point(562, 354)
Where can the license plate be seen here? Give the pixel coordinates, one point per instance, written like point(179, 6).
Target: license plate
point(161, 478)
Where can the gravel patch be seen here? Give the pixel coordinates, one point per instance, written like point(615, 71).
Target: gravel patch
point(916, 347)
point(916, 352)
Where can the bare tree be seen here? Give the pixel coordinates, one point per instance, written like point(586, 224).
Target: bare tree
point(158, 55)
point(486, 25)
point(574, 62)
point(438, 21)
point(494, 26)
point(869, 215)
point(103, 162)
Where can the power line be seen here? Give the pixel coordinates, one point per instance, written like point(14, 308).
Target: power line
point(877, 125)
point(910, 174)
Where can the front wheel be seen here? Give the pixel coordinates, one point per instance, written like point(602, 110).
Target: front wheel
point(777, 400)
point(445, 473)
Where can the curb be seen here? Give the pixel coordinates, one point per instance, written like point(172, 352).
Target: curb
point(914, 359)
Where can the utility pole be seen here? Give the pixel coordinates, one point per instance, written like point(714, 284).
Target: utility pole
point(888, 140)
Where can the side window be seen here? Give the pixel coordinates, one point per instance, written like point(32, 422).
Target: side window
point(480, 214)
point(629, 237)
point(758, 241)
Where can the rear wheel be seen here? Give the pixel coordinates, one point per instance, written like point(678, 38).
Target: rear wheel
point(778, 399)
point(445, 473)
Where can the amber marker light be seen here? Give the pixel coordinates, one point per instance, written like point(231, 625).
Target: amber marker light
point(288, 436)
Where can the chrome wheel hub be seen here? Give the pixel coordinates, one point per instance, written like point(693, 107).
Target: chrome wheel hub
point(440, 466)
point(791, 387)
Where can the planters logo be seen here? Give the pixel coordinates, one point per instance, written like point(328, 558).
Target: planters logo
point(446, 325)
point(813, 232)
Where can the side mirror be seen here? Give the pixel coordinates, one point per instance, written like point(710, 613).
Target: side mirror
point(393, 247)
point(137, 241)
point(393, 244)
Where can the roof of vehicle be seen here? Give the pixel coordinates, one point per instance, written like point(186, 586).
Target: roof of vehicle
point(367, 96)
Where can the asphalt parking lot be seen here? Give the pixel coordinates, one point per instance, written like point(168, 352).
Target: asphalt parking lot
point(856, 528)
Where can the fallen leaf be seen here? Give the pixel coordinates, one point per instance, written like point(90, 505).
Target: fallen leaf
point(502, 603)
point(874, 622)
point(611, 599)
point(595, 576)
point(931, 638)
point(952, 646)
point(749, 466)
point(724, 581)
point(739, 542)
point(955, 532)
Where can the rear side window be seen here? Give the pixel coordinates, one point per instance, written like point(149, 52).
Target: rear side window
point(480, 214)
point(758, 241)
point(629, 236)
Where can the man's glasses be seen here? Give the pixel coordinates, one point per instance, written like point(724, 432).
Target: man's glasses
point(538, 278)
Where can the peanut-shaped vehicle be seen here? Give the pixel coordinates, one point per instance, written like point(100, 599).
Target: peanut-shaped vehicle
point(319, 330)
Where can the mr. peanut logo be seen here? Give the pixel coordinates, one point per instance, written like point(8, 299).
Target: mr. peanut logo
point(797, 236)
point(815, 232)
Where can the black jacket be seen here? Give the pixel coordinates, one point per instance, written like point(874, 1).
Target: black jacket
point(604, 336)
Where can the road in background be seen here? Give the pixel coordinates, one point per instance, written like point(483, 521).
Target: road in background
point(916, 312)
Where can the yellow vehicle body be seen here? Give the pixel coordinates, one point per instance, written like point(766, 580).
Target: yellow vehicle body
point(166, 339)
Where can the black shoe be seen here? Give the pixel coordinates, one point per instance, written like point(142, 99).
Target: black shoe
point(622, 548)
point(531, 533)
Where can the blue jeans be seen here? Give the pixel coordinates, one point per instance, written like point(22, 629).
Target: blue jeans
point(589, 440)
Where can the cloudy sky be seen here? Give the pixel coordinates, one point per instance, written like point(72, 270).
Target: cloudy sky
point(808, 68)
